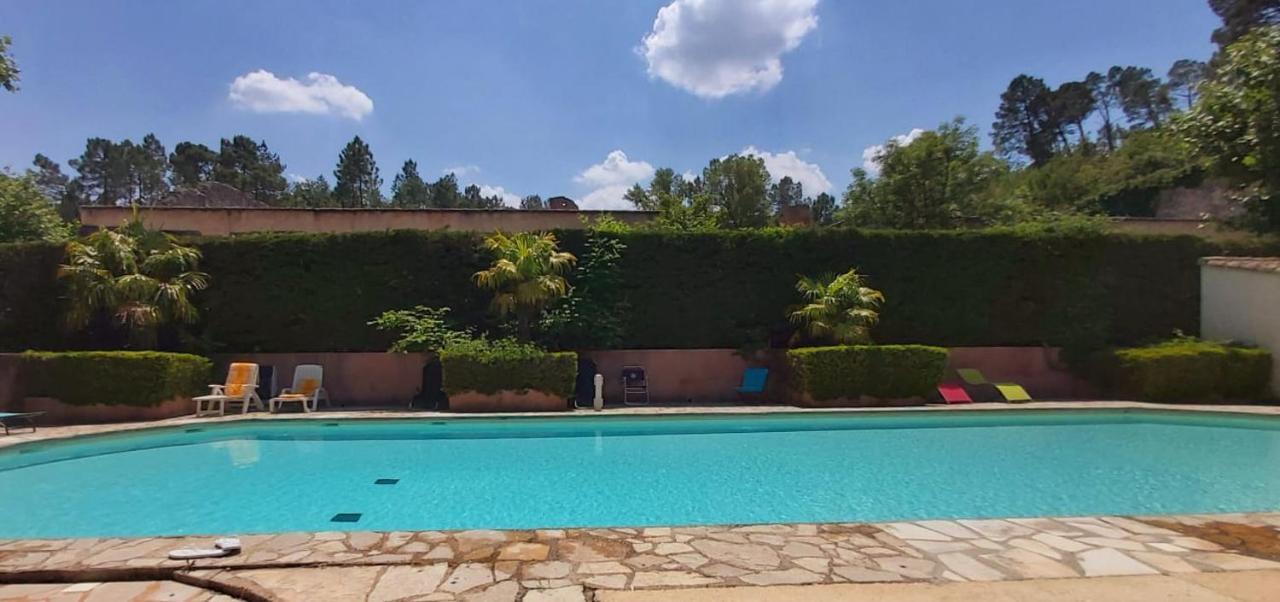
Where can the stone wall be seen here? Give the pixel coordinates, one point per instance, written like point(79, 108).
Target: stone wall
point(222, 221)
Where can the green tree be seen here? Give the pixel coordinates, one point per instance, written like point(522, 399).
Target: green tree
point(942, 179)
point(309, 194)
point(1105, 90)
point(408, 188)
point(785, 193)
point(356, 181)
point(1025, 123)
point(533, 201)
point(26, 214)
point(1236, 123)
point(528, 273)
point(1143, 97)
point(150, 168)
point(252, 168)
point(103, 170)
point(48, 178)
point(8, 67)
point(837, 309)
point(140, 279)
point(1184, 79)
point(824, 209)
point(191, 164)
point(1073, 103)
point(738, 187)
point(1241, 16)
point(445, 193)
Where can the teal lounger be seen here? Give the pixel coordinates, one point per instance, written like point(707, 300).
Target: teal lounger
point(10, 420)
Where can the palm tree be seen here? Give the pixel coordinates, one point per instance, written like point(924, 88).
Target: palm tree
point(142, 279)
point(840, 308)
point(526, 276)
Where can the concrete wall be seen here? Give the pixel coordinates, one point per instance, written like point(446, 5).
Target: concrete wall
point(361, 379)
point(221, 222)
point(1242, 305)
point(1039, 370)
point(10, 387)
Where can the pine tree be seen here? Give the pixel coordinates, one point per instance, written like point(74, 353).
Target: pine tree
point(408, 189)
point(356, 179)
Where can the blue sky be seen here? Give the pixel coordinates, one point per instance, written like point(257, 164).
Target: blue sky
point(577, 97)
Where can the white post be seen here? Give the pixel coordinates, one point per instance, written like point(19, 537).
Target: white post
point(598, 402)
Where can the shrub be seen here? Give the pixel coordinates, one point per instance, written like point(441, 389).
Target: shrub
point(491, 366)
point(882, 371)
point(1183, 370)
point(131, 378)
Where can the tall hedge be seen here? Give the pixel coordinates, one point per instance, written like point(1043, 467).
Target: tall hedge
point(315, 292)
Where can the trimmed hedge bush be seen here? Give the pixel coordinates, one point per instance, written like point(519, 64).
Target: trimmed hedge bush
point(129, 378)
point(486, 368)
point(881, 371)
point(316, 292)
point(1184, 371)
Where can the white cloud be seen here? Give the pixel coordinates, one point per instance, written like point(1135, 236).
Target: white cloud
point(461, 170)
point(262, 91)
point(871, 154)
point(509, 199)
point(610, 179)
point(714, 48)
point(781, 165)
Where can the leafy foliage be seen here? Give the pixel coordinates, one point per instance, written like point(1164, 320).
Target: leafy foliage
point(737, 187)
point(837, 309)
point(129, 378)
point(409, 189)
point(506, 365)
point(421, 329)
point(26, 215)
point(1184, 370)
point(939, 180)
point(882, 371)
point(8, 67)
point(1236, 123)
point(142, 279)
point(591, 316)
point(528, 273)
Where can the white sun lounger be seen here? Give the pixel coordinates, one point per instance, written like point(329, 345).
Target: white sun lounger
point(307, 389)
point(241, 387)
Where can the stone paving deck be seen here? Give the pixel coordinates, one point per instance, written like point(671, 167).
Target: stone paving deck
point(568, 564)
point(121, 591)
point(574, 564)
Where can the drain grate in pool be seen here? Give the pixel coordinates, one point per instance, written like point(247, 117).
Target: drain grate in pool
point(330, 424)
point(346, 517)
point(195, 430)
point(439, 423)
point(386, 481)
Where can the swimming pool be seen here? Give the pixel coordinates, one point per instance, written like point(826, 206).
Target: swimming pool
point(261, 476)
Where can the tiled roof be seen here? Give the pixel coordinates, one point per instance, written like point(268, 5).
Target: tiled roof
point(1257, 264)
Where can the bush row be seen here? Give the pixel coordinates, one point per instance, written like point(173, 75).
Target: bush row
point(1184, 371)
point(130, 378)
point(315, 292)
point(487, 369)
point(881, 371)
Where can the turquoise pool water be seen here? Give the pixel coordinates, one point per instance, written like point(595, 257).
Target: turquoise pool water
point(273, 476)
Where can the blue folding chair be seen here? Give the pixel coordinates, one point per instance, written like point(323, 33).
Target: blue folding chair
point(753, 381)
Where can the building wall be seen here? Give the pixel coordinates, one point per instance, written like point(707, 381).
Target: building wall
point(1242, 305)
point(675, 375)
point(222, 222)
